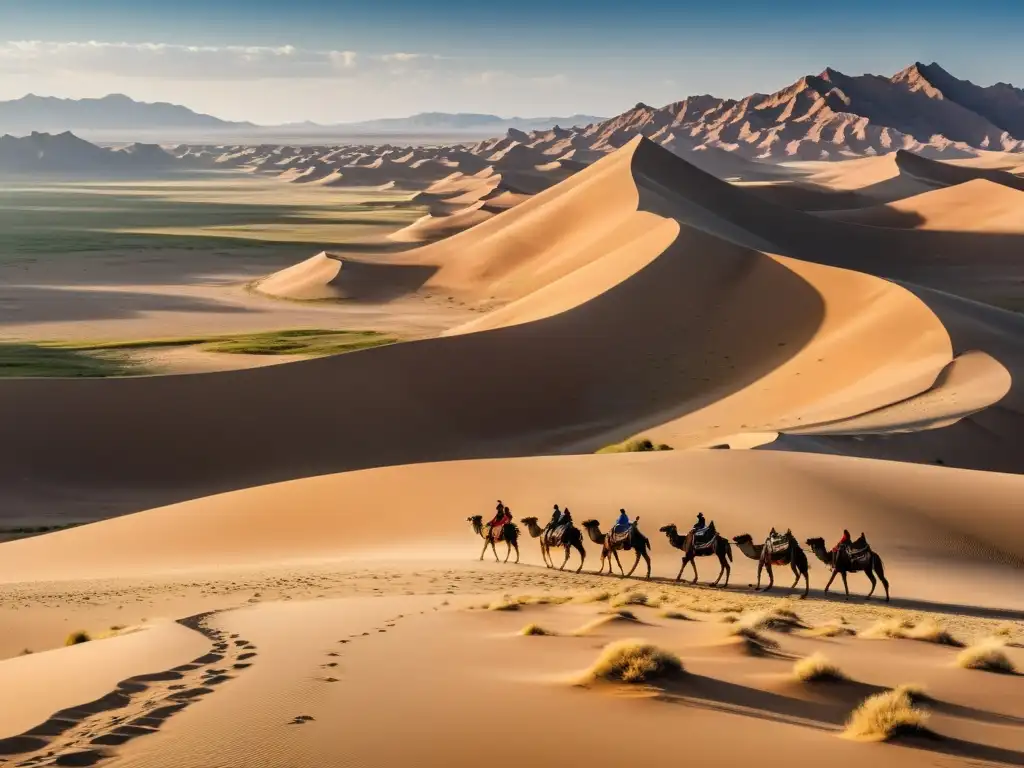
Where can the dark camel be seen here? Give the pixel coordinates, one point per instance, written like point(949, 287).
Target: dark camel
point(610, 546)
point(794, 557)
point(855, 556)
point(509, 533)
point(570, 538)
point(686, 543)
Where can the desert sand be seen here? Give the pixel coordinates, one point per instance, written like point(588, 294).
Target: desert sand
point(277, 565)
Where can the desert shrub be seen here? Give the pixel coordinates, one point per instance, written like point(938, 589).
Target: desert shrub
point(885, 715)
point(988, 657)
point(533, 630)
point(817, 669)
point(78, 637)
point(634, 661)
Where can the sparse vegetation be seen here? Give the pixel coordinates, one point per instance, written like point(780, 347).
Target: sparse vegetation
point(817, 669)
point(676, 615)
point(887, 629)
point(636, 445)
point(113, 358)
point(754, 641)
point(895, 629)
point(630, 598)
point(988, 657)
point(504, 604)
point(534, 630)
point(600, 621)
point(834, 629)
point(592, 597)
point(634, 661)
point(77, 638)
point(884, 716)
point(773, 619)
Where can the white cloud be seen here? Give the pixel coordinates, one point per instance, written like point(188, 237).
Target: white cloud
point(189, 62)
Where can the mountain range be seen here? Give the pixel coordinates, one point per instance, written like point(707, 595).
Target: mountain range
point(831, 115)
point(118, 117)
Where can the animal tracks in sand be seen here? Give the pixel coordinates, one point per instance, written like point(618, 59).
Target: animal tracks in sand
point(86, 734)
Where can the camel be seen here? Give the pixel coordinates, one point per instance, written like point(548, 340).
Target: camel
point(855, 556)
point(687, 544)
point(611, 544)
point(793, 556)
point(569, 538)
point(509, 533)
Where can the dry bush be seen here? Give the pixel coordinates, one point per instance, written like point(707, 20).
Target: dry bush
point(728, 618)
point(884, 716)
point(988, 657)
point(634, 661)
point(817, 669)
point(833, 629)
point(930, 632)
point(505, 604)
point(887, 629)
point(600, 621)
point(533, 630)
point(675, 615)
point(77, 638)
point(630, 598)
point(774, 619)
point(592, 597)
point(754, 641)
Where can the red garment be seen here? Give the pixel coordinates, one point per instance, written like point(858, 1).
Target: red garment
point(844, 540)
point(500, 520)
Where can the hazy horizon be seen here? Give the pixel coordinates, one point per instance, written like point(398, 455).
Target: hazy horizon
point(334, 61)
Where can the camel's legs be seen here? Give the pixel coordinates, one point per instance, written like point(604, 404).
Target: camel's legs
point(544, 554)
point(566, 547)
point(484, 550)
point(796, 573)
point(845, 585)
point(615, 552)
point(494, 549)
point(693, 564)
point(515, 546)
point(771, 576)
point(831, 579)
point(874, 582)
point(760, 567)
point(721, 562)
point(583, 556)
point(876, 564)
point(647, 558)
point(508, 550)
point(635, 564)
point(682, 566)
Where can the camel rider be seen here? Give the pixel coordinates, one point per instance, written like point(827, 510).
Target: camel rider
point(700, 525)
point(843, 542)
point(502, 516)
point(556, 519)
point(622, 523)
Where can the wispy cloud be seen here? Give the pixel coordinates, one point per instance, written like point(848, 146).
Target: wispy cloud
point(190, 62)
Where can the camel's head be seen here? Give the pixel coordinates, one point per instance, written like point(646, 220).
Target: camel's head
point(817, 543)
point(528, 521)
point(476, 520)
point(668, 530)
point(591, 524)
point(743, 538)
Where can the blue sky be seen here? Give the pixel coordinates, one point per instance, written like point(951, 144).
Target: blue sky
point(335, 60)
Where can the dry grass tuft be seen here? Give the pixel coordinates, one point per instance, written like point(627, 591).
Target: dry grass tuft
point(505, 604)
point(988, 657)
point(630, 598)
point(917, 693)
point(817, 669)
point(675, 615)
point(600, 621)
point(887, 629)
point(775, 620)
point(634, 661)
point(728, 618)
point(592, 597)
point(754, 642)
point(77, 638)
point(885, 715)
point(930, 632)
point(533, 630)
point(833, 629)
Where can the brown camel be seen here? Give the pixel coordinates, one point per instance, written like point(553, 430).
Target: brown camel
point(612, 543)
point(792, 555)
point(509, 533)
point(718, 546)
point(855, 556)
point(567, 537)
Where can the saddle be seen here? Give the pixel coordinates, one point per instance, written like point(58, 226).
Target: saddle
point(554, 536)
point(777, 546)
point(704, 540)
point(621, 539)
point(858, 550)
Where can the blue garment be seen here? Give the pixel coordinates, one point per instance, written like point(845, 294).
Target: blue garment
point(622, 524)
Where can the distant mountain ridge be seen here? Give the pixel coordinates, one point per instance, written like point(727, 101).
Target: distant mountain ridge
point(119, 113)
point(831, 115)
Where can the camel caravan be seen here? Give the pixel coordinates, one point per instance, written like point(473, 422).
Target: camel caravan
point(701, 540)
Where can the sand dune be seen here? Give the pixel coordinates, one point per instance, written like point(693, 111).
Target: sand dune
point(605, 273)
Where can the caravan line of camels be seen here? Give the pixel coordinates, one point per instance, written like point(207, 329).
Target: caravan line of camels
point(778, 549)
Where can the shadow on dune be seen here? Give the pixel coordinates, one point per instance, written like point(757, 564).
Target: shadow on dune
point(685, 330)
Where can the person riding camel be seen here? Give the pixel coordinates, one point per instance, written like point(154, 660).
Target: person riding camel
point(502, 516)
point(845, 541)
point(556, 518)
point(701, 524)
point(622, 523)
